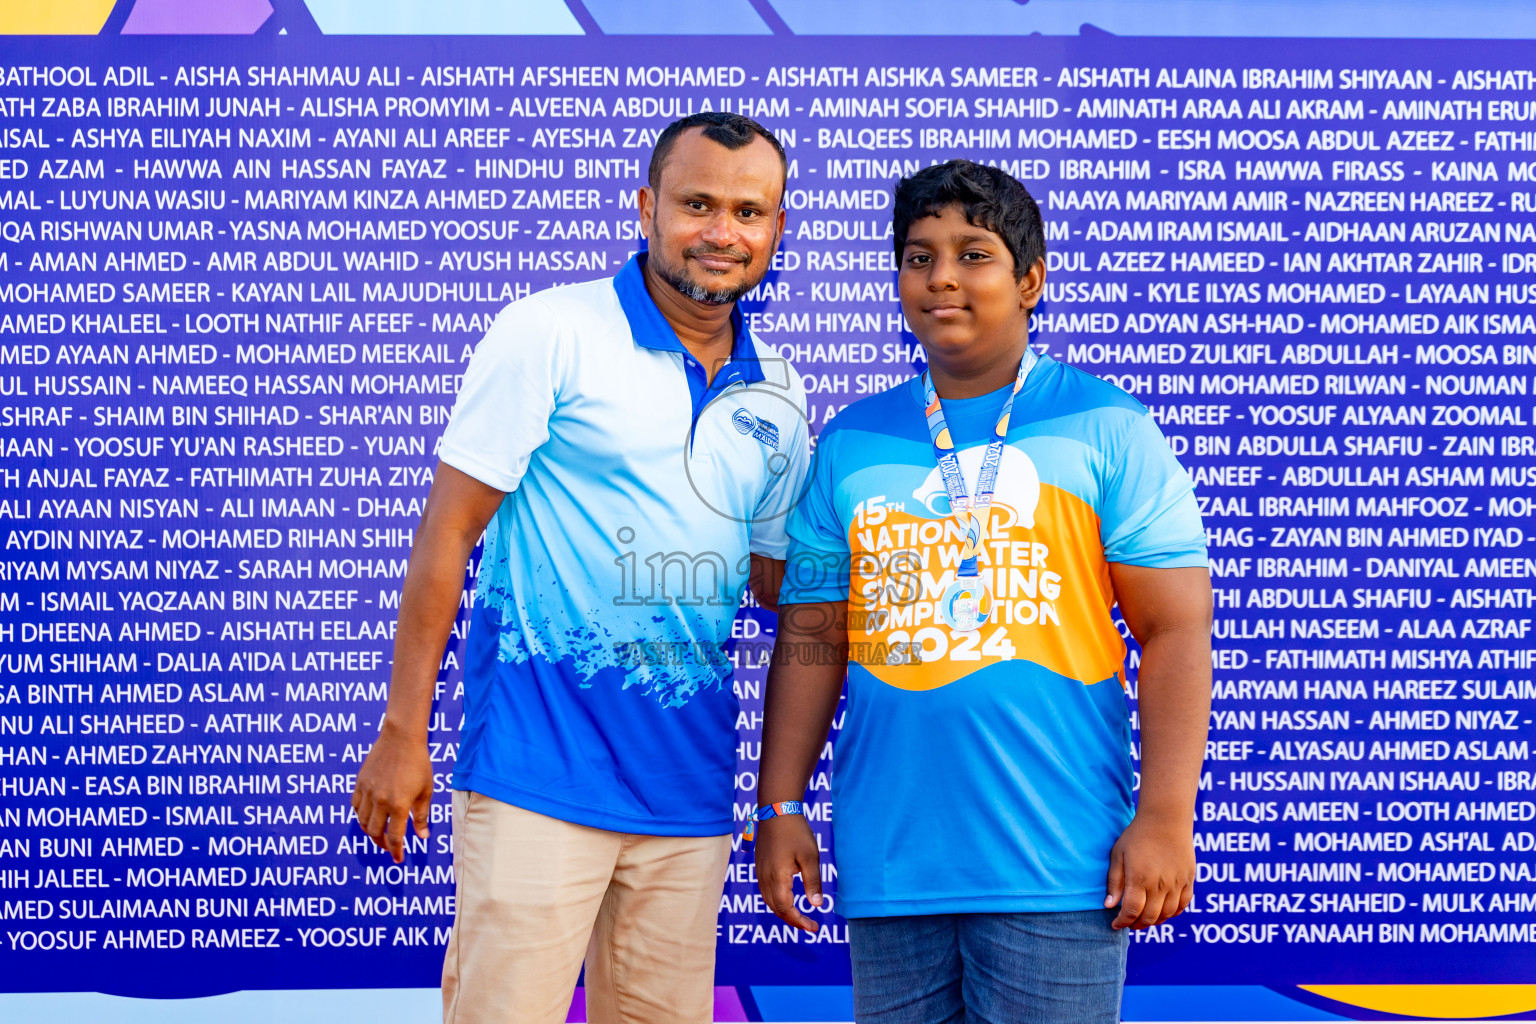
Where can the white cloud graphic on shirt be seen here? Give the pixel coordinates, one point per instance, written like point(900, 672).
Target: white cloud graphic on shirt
point(1017, 490)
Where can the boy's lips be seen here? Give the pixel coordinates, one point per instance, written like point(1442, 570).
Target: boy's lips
point(945, 311)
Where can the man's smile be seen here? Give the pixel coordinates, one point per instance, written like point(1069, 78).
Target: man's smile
point(717, 260)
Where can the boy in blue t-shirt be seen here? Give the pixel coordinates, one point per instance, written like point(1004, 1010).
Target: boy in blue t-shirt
point(959, 551)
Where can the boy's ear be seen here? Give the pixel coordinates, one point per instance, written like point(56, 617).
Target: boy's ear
point(1032, 285)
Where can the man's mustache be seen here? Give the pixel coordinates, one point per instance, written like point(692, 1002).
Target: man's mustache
point(715, 250)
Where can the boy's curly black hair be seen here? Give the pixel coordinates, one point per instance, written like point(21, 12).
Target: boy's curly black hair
point(990, 198)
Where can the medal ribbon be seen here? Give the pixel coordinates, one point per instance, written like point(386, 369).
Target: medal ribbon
point(973, 515)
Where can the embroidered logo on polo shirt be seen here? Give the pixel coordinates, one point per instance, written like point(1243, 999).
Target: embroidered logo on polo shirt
point(767, 432)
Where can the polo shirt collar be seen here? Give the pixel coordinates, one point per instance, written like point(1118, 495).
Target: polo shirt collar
point(651, 330)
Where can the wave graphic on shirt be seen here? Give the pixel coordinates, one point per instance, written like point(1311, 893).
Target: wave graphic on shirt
point(665, 665)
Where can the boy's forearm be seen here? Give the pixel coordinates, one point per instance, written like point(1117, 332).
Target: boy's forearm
point(805, 681)
point(1174, 700)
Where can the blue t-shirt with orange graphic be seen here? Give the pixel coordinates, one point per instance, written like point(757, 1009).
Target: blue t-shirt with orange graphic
point(986, 772)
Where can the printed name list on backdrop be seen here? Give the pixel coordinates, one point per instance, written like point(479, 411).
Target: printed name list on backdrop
point(240, 284)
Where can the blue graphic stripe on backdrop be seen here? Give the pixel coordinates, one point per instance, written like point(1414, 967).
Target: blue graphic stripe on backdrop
point(776, 24)
point(583, 16)
point(1336, 19)
point(445, 18)
point(292, 17)
point(1193, 1003)
point(118, 18)
point(677, 17)
point(804, 1002)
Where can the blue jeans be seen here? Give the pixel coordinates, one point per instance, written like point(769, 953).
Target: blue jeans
point(1047, 968)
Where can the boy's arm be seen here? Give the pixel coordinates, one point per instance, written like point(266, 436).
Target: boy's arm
point(766, 577)
point(1152, 865)
point(810, 661)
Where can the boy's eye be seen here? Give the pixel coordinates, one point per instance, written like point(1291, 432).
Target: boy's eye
point(917, 259)
point(973, 256)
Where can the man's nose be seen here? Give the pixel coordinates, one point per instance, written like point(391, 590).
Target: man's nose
point(721, 230)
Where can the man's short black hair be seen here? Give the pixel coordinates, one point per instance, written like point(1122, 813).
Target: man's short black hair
point(990, 198)
point(730, 130)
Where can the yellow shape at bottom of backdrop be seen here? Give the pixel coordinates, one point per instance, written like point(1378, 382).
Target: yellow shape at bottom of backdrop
point(1460, 1002)
point(53, 17)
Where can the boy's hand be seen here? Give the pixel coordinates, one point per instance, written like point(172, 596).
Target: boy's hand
point(1151, 872)
point(786, 845)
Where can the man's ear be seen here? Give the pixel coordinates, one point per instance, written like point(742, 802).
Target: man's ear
point(645, 206)
point(1032, 285)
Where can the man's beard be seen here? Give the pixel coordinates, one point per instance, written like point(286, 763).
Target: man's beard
point(678, 277)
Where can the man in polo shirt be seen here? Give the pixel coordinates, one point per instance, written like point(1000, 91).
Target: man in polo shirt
point(630, 452)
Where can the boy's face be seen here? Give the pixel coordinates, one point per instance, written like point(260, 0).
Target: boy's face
point(959, 294)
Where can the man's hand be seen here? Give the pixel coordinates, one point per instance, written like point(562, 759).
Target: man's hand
point(1151, 874)
point(786, 846)
point(394, 782)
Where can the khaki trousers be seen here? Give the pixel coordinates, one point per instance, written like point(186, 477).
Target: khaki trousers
point(536, 894)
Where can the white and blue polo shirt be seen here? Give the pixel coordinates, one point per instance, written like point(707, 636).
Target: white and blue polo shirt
point(597, 688)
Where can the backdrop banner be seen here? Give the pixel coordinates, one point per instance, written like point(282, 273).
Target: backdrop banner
point(246, 253)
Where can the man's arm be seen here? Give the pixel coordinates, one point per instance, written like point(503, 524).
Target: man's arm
point(810, 661)
point(1152, 866)
point(395, 780)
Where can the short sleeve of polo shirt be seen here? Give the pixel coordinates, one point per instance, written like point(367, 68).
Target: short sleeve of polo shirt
point(1149, 515)
point(770, 536)
point(503, 408)
point(816, 568)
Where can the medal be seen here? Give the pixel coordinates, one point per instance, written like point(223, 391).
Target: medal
point(966, 604)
